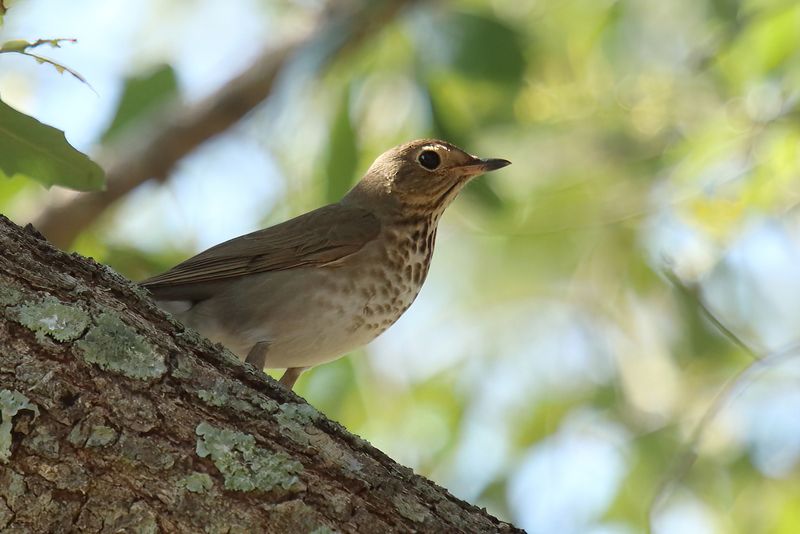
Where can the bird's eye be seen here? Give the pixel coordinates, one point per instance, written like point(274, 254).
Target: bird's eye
point(429, 159)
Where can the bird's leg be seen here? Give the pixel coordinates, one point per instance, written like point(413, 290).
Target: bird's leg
point(257, 356)
point(291, 375)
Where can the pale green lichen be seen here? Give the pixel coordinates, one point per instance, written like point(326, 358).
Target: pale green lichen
point(294, 418)
point(303, 413)
point(9, 295)
point(113, 345)
point(52, 318)
point(227, 393)
point(244, 466)
point(101, 436)
point(11, 403)
point(214, 398)
point(323, 529)
point(197, 482)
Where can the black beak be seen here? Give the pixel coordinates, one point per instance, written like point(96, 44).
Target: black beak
point(494, 164)
point(479, 166)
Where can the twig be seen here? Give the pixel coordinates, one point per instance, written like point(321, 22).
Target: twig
point(686, 458)
point(693, 293)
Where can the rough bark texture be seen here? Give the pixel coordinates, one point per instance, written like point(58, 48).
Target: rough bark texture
point(114, 418)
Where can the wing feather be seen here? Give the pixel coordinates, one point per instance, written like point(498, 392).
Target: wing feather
point(317, 238)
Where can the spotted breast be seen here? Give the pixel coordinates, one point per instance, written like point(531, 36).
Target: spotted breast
point(316, 317)
point(394, 281)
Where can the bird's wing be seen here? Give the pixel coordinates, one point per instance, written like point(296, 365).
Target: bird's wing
point(317, 238)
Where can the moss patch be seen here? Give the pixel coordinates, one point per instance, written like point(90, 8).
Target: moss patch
point(116, 347)
point(244, 466)
point(11, 402)
point(52, 318)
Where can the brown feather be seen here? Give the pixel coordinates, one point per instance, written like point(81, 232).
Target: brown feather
point(316, 238)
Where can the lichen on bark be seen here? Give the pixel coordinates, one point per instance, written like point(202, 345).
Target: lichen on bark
point(52, 318)
point(244, 466)
point(115, 346)
point(11, 403)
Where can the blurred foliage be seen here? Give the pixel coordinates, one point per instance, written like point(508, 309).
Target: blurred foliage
point(550, 370)
point(340, 169)
point(142, 97)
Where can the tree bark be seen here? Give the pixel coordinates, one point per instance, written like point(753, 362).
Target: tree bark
point(115, 418)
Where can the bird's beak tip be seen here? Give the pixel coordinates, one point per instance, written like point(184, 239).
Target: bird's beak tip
point(478, 166)
point(493, 164)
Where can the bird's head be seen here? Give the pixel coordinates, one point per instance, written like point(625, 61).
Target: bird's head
point(421, 176)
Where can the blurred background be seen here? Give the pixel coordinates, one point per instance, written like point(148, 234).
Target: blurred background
point(606, 341)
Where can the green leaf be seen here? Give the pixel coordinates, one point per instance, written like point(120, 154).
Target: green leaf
point(480, 47)
point(15, 45)
point(41, 152)
point(142, 96)
point(340, 167)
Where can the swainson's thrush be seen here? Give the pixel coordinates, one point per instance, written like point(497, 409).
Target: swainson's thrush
point(308, 290)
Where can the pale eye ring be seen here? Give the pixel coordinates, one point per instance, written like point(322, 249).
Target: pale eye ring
point(429, 159)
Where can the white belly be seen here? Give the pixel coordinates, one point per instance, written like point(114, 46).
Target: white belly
point(308, 319)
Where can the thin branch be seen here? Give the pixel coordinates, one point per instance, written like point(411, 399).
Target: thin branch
point(20, 46)
point(694, 294)
point(686, 458)
point(183, 131)
point(61, 68)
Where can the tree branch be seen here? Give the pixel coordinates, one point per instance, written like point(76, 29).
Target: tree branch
point(183, 131)
point(116, 418)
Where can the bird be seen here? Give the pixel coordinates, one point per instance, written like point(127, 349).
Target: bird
point(316, 287)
